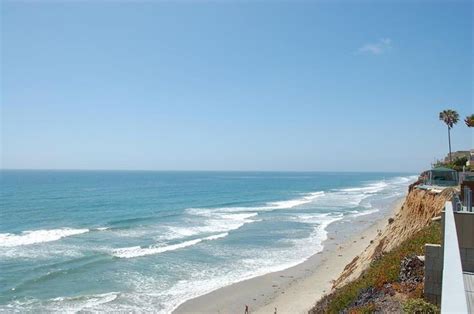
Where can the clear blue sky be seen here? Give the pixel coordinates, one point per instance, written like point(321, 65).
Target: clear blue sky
point(310, 85)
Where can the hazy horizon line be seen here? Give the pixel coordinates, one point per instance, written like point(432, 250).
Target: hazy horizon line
point(202, 170)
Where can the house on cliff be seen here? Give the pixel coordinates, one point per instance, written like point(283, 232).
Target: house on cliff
point(441, 176)
point(457, 155)
point(470, 161)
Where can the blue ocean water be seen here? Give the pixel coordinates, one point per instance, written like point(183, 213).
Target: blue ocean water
point(143, 240)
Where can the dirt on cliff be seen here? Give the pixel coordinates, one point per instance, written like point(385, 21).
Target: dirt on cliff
point(419, 207)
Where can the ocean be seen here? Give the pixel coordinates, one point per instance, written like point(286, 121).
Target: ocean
point(150, 240)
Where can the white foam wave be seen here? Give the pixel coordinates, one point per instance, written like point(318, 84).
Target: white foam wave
point(404, 180)
point(320, 233)
point(356, 213)
point(370, 188)
point(214, 222)
point(318, 218)
point(296, 202)
point(137, 251)
point(37, 236)
point(320, 222)
point(61, 304)
point(288, 204)
point(357, 196)
point(217, 236)
point(80, 303)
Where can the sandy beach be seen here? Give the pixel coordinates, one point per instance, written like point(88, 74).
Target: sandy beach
point(296, 289)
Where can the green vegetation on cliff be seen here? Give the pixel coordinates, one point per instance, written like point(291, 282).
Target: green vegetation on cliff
point(382, 278)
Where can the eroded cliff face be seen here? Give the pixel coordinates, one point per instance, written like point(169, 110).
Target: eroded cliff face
point(419, 207)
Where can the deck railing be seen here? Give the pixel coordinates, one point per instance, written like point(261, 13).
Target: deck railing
point(453, 295)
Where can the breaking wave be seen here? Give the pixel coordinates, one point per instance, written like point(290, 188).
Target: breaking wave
point(137, 251)
point(37, 236)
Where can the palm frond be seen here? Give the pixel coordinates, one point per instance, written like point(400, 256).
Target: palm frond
point(449, 117)
point(469, 121)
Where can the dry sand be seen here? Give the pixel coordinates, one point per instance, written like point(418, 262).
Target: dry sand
point(296, 289)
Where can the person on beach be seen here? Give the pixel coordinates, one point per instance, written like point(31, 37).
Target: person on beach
point(275, 311)
point(246, 309)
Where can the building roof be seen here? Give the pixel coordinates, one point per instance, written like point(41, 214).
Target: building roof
point(442, 169)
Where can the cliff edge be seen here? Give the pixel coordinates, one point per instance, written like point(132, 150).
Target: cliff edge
point(419, 207)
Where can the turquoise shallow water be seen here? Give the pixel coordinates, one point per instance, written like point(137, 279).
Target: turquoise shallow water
point(138, 240)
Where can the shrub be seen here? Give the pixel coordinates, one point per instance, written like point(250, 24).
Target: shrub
point(457, 164)
point(419, 306)
point(385, 269)
point(366, 309)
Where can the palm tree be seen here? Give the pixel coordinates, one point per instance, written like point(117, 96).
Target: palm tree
point(450, 118)
point(470, 121)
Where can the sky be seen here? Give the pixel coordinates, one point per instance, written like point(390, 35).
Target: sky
point(233, 85)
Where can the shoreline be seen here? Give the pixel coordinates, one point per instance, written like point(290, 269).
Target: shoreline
point(296, 289)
